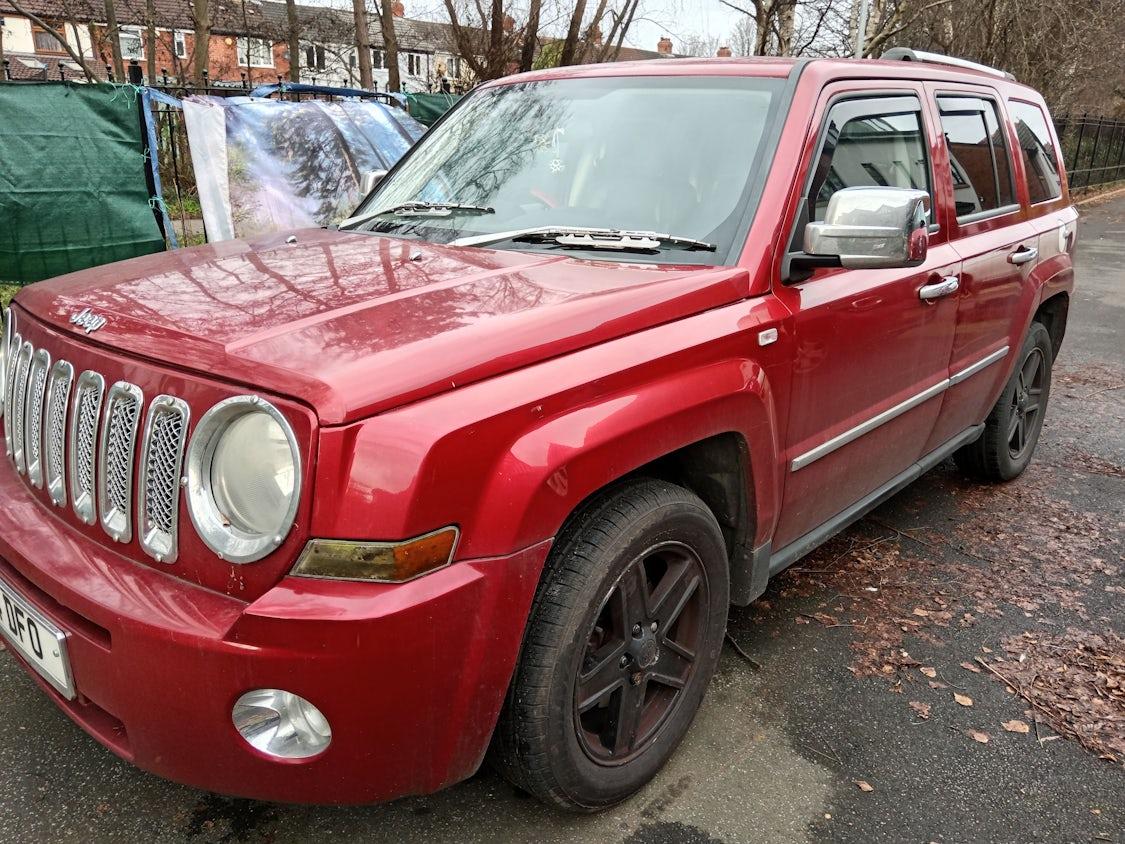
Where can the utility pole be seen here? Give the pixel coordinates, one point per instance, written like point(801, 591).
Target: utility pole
point(861, 29)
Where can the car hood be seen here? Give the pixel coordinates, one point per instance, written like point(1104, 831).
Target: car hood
point(354, 323)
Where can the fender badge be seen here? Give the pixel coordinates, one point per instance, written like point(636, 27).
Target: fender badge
point(87, 320)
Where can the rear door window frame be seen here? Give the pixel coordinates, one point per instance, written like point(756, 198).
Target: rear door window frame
point(1004, 125)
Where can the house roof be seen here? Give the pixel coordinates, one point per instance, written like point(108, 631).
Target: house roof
point(29, 66)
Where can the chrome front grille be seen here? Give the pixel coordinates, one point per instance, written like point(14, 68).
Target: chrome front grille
point(84, 417)
point(79, 441)
point(162, 457)
point(54, 440)
point(33, 416)
point(115, 459)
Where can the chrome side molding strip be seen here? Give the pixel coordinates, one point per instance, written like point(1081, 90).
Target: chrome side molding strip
point(973, 369)
point(852, 434)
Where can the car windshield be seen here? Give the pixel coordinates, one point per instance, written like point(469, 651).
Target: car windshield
point(671, 155)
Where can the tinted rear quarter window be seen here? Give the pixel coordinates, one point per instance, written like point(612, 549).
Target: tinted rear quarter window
point(978, 155)
point(1040, 160)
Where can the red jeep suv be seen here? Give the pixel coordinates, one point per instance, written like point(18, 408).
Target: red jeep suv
point(328, 515)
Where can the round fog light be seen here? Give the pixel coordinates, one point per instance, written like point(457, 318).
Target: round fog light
point(281, 724)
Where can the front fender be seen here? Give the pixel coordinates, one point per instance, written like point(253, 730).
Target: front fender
point(510, 458)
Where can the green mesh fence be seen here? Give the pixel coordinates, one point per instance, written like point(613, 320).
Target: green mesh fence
point(73, 189)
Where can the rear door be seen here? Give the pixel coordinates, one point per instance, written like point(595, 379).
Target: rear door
point(989, 230)
point(871, 356)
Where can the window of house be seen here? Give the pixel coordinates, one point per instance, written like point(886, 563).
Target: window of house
point(455, 67)
point(378, 60)
point(414, 64)
point(314, 57)
point(1040, 161)
point(132, 44)
point(871, 143)
point(351, 60)
point(978, 155)
point(257, 52)
point(179, 44)
point(45, 42)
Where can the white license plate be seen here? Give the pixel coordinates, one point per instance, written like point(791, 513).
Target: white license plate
point(36, 639)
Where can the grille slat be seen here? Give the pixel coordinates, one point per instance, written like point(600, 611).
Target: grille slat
point(10, 362)
point(82, 453)
point(5, 356)
point(158, 507)
point(33, 416)
point(116, 458)
point(19, 406)
point(54, 440)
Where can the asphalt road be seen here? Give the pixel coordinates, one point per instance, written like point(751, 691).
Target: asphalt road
point(856, 645)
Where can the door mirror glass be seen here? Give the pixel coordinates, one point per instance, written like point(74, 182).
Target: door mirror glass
point(872, 228)
point(370, 180)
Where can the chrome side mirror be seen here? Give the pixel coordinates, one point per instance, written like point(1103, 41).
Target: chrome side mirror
point(872, 228)
point(370, 180)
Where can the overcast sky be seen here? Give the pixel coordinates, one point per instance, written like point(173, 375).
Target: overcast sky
point(678, 19)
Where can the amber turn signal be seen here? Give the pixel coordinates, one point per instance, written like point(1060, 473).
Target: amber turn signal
point(384, 562)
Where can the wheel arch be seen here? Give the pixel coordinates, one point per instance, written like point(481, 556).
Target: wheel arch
point(1052, 313)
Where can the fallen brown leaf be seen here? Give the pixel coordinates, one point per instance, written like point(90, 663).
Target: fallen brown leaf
point(864, 785)
point(928, 671)
point(968, 666)
point(922, 709)
point(964, 700)
point(1016, 726)
point(977, 735)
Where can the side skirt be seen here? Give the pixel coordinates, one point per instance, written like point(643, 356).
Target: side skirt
point(780, 560)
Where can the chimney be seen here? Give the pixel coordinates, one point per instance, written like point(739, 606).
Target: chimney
point(723, 53)
point(594, 35)
point(664, 46)
point(398, 10)
point(509, 23)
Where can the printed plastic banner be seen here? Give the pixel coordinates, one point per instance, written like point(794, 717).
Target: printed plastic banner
point(265, 165)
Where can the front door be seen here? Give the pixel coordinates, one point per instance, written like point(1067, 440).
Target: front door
point(871, 356)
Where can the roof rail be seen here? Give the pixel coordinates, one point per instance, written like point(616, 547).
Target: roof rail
point(905, 54)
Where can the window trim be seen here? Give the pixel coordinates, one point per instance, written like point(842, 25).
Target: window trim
point(1060, 168)
point(139, 32)
point(1004, 123)
point(822, 133)
point(179, 36)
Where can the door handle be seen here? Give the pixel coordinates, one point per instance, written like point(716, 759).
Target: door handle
point(947, 286)
point(1023, 255)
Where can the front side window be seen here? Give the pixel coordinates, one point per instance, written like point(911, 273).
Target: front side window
point(673, 155)
point(1040, 161)
point(257, 52)
point(45, 42)
point(871, 143)
point(179, 43)
point(978, 155)
point(377, 58)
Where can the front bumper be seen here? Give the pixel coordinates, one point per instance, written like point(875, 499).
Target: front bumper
point(411, 677)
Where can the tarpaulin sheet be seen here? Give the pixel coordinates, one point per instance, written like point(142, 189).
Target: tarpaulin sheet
point(427, 108)
point(265, 165)
point(73, 190)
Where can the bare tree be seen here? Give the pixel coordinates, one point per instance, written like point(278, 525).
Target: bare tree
point(293, 36)
point(114, 39)
point(201, 32)
point(531, 35)
point(570, 44)
point(19, 9)
point(390, 46)
point(363, 44)
point(150, 41)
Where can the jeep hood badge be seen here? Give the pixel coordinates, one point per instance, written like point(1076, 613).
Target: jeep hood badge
point(87, 320)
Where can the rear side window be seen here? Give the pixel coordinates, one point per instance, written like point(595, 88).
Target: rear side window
point(978, 156)
point(1038, 150)
point(871, 143)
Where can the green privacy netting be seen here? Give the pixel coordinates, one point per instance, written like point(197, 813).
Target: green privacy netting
point(427, 108)
point(73, 190)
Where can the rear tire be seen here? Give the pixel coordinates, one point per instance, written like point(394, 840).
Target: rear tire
point(1011, 432)
point(623, 638)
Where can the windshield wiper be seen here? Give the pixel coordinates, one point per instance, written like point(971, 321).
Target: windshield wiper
point(418, 208)
point(579, 237)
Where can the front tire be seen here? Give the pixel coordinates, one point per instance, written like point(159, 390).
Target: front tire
point(623, 639)
point(1011, 432)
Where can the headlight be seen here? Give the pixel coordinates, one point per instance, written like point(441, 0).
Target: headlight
point(244, 478)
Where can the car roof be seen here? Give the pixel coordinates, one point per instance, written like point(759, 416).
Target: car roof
point(824, 70)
